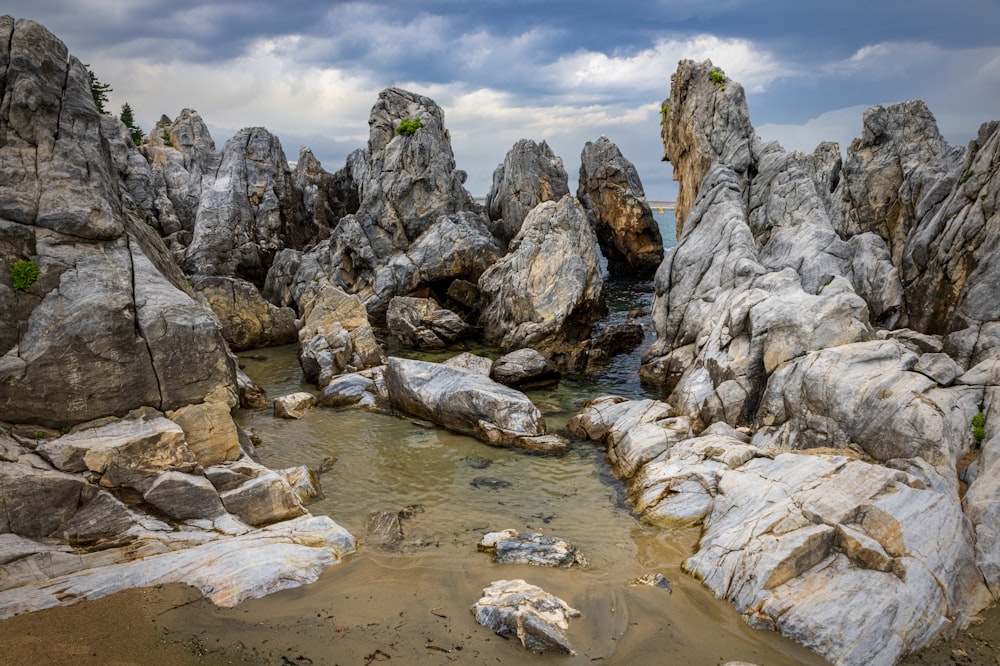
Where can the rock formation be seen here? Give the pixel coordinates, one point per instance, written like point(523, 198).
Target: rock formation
point(778, 313)
point(116, 383)
point(548, 291)
point(610, 190)
point(416, 227)
point(468, 402)
point(530, 174)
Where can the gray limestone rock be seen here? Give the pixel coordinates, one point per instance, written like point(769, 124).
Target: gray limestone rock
point(469, 403)
point(524, 367)
point(610, 189)
point(538, 619)
point(249, 211)
point(513, 547)
point(530, 174)
point(335, 337)
point(294, 405)
point(547, 292)
point(421, 323)
point(266, 496)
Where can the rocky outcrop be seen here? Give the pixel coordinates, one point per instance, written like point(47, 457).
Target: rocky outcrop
point(335, 337)
point(181, 156)
point(416, 230)
point(247, 320)
point(120, 464)
point(524, 367)
point(705, 121)
point(530, 174)
point(248, 212)
point(781, 530)
point(610, 189)
point(548, 291)
point(774, 317)
point(110, 324)
point(469, 403)
point(327, 196)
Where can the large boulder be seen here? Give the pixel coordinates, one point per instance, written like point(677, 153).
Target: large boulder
point(530, 174)
point(536, 618)
point(470, 403)
point(548, 291)
point(610, 189)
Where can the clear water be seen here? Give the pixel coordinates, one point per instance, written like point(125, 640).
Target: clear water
point(411, 600)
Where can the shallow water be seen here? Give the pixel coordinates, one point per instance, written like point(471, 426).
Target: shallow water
point(411, 601)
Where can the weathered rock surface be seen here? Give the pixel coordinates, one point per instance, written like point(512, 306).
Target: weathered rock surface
point(774, 313)
point(247, 320)
point(335, 337)
point(421, 323)
point(293, 405)
point(116, 368)
point(228, 568)
point(538, 619)
point(548, 291)
point(530, 174)
point(248, 212)
point(781, 530)
point(524, 367)
point(470, 403)
point(610, 189)
point(513, 547)
point(327, 197)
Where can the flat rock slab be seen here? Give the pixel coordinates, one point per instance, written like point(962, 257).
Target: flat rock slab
point(537, 618)
point(511, 547)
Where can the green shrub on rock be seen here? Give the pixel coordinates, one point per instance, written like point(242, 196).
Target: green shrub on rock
point(408, 126)
point(979, 427)
point(23, 274)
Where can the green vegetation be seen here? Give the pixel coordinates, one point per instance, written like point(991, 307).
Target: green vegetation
point(718, 78)
point(129, 121)
point(98, 90)
point(979, 427)
point(967, 175)
point(408, 126)
point(23, 274)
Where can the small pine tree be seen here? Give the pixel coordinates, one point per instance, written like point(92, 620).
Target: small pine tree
point(98, 90)
point(128, 119)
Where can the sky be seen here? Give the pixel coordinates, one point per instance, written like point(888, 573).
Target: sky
point(563, 72)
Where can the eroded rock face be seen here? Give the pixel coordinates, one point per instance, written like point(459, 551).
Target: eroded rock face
point(705, 121)
point(547, 292)
point(335, 337)
point(248, 321)
point(774, 318)
point(781, 530)
point(110, 324)
point(118, 369)
point(530, 174)
point(610, 189)
point(421, 323)
point(248, 212)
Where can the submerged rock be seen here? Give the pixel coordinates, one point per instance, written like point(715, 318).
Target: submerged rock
point(511, 547)
point(538, 619)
